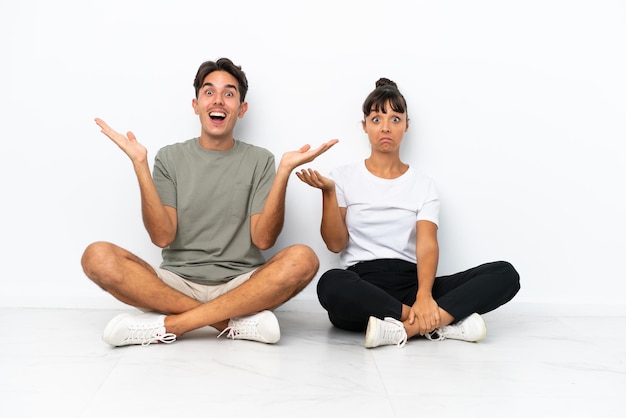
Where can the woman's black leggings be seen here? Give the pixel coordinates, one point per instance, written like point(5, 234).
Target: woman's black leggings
point(380, 287)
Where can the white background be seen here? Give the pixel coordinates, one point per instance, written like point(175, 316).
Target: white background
point(517, 111)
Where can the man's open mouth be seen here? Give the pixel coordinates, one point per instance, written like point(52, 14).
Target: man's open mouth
point(217, 115)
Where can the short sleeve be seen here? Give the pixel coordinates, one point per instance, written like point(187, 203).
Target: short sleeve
point(335, 176)
point(429, 210)
point(164, 182)
point(264, 185)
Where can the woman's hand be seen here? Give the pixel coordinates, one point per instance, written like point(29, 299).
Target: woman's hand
point(426, 312)
point(314, 179)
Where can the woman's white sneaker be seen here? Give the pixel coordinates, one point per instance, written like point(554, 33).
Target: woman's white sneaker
point(384, 332)
point(472, 329)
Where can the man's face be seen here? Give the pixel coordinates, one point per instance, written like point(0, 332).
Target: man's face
point(218, 105)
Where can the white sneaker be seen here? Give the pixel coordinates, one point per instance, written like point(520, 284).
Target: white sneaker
point(262, 327)
point(387, 332)
point(472, 329)
point(144, 329)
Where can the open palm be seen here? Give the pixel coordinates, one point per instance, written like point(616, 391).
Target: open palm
point(135, 151)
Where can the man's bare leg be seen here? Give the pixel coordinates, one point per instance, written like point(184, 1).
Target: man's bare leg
point(277, 281)
point(131, 280)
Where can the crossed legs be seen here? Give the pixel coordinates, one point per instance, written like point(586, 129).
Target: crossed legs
point(134, 282)
point(387, 288)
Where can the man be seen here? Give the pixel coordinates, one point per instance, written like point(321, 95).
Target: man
point(212, 203)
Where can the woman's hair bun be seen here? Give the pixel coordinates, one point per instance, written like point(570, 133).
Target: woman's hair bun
point(385, 82)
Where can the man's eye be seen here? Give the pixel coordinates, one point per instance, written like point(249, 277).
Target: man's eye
point(376, 120)
point(396, 119)
point(229, 94)
point(208, 92)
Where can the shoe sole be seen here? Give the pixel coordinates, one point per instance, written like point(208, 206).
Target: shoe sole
point(483, 328)
point(372, 329)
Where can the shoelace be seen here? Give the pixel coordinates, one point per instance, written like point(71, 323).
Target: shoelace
point(402, 342)
point(231, 332)
point(454, 331)
point(435, 335)
point(248, 328)
point(166, 338)
point(392, 334)
point(148, 336)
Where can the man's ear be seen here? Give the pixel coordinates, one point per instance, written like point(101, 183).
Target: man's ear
point(194, 104)
point(243, 108)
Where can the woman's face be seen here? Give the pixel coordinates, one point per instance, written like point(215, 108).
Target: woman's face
point(385, 130)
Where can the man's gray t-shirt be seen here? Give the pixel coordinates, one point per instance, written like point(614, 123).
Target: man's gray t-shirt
point(214, 193)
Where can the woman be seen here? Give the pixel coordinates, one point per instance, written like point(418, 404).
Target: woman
point(382, 216)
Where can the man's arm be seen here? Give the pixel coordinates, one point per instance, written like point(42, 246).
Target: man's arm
point(160, 221)
point(266, 226)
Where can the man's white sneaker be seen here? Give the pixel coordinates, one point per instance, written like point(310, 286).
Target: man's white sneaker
point(387, 332)
point(144, 328)
point(472, 329)
point(262, 327)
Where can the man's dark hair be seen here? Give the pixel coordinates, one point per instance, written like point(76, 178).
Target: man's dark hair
point(222, 64)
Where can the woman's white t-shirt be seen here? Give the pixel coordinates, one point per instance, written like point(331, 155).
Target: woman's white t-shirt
point(382, 214)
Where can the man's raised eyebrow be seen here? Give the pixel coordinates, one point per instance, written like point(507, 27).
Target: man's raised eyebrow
point(228, 86)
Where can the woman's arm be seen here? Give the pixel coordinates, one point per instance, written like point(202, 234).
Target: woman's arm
point(425, 309)
point(267, 226)
point(333, 226)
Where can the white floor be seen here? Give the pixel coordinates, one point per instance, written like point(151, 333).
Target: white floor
point(534, 363)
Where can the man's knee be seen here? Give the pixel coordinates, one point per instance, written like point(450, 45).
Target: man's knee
point(96, 259)
point(301, 262)
point(307, 257)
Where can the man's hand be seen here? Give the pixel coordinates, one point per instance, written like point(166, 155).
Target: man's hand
point(135, 151)
point(293, 159)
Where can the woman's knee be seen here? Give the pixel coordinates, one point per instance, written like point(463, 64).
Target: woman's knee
point(511, 273)
point(330, 286)
point(508, 277)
